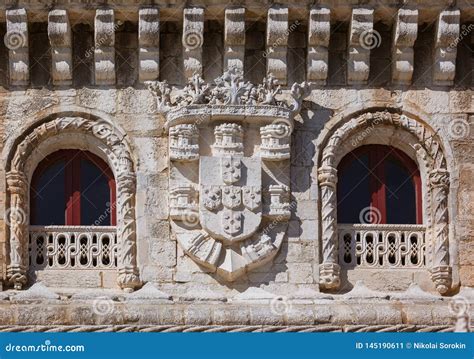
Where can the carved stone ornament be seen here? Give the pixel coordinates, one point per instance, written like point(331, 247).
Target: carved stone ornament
point(437, 199)
point(227, 214)
point(118, 155)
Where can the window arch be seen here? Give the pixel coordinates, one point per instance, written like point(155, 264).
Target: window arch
point(374, 183)
point(73, 187)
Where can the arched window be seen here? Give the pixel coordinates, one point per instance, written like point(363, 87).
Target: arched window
point(379, 185)
point(72, 187)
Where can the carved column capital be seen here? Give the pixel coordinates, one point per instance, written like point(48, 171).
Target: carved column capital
point(439, 178)
point(17, 183)
point(441, 277)
point(329, 276)
point(327, 176)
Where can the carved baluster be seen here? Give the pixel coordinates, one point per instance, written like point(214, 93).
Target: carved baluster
point(441, 271)
point(361, 40)
point(104, 53)
point(17, 220)
point(59, 32)
point(329, 270)
point(234, 39)
point(16, 40)
point(149, 44)
point(446, 41)
point(318, 42)
point(277, 43)
point(193, 39)
point(405, 33)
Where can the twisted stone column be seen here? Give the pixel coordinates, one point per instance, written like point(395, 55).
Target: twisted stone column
point(17, 219)
point(440, 271)
point(128, 278)
point(329, 270)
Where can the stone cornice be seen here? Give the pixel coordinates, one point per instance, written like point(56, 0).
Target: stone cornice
point(341, 11)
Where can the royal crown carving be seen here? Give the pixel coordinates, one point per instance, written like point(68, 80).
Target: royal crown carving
point(229, 150)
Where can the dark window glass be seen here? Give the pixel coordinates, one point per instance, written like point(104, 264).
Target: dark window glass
point(379, 184)
point(49, 196)
point(353, 190)
point(399, 194)
point(72, 187)
point(95, 195)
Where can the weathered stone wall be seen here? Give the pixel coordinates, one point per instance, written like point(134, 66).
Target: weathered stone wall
point(131, 107)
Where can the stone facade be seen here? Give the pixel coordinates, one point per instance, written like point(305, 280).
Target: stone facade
point(224, 126)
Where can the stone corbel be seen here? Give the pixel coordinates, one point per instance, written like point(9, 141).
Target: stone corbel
point(16, 40)
point(149, 44)
point(275, 144)
point(104, 53)
point(441, 270)
point(184, 142)
point(59, 33)
point(329, 270)
point(446, 41)
point(234, 39)
point(193, 39)
point(318, 42)
point(277, 43)
point(361, 39)
point(404, 36)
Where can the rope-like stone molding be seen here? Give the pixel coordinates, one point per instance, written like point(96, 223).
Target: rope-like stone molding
point(226, 328)
point(438, 187)
point(119, 158)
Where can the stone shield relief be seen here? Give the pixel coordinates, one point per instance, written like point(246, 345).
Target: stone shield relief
point(225, 216)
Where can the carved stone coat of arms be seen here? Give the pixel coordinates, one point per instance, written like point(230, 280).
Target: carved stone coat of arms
point(229, 149)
